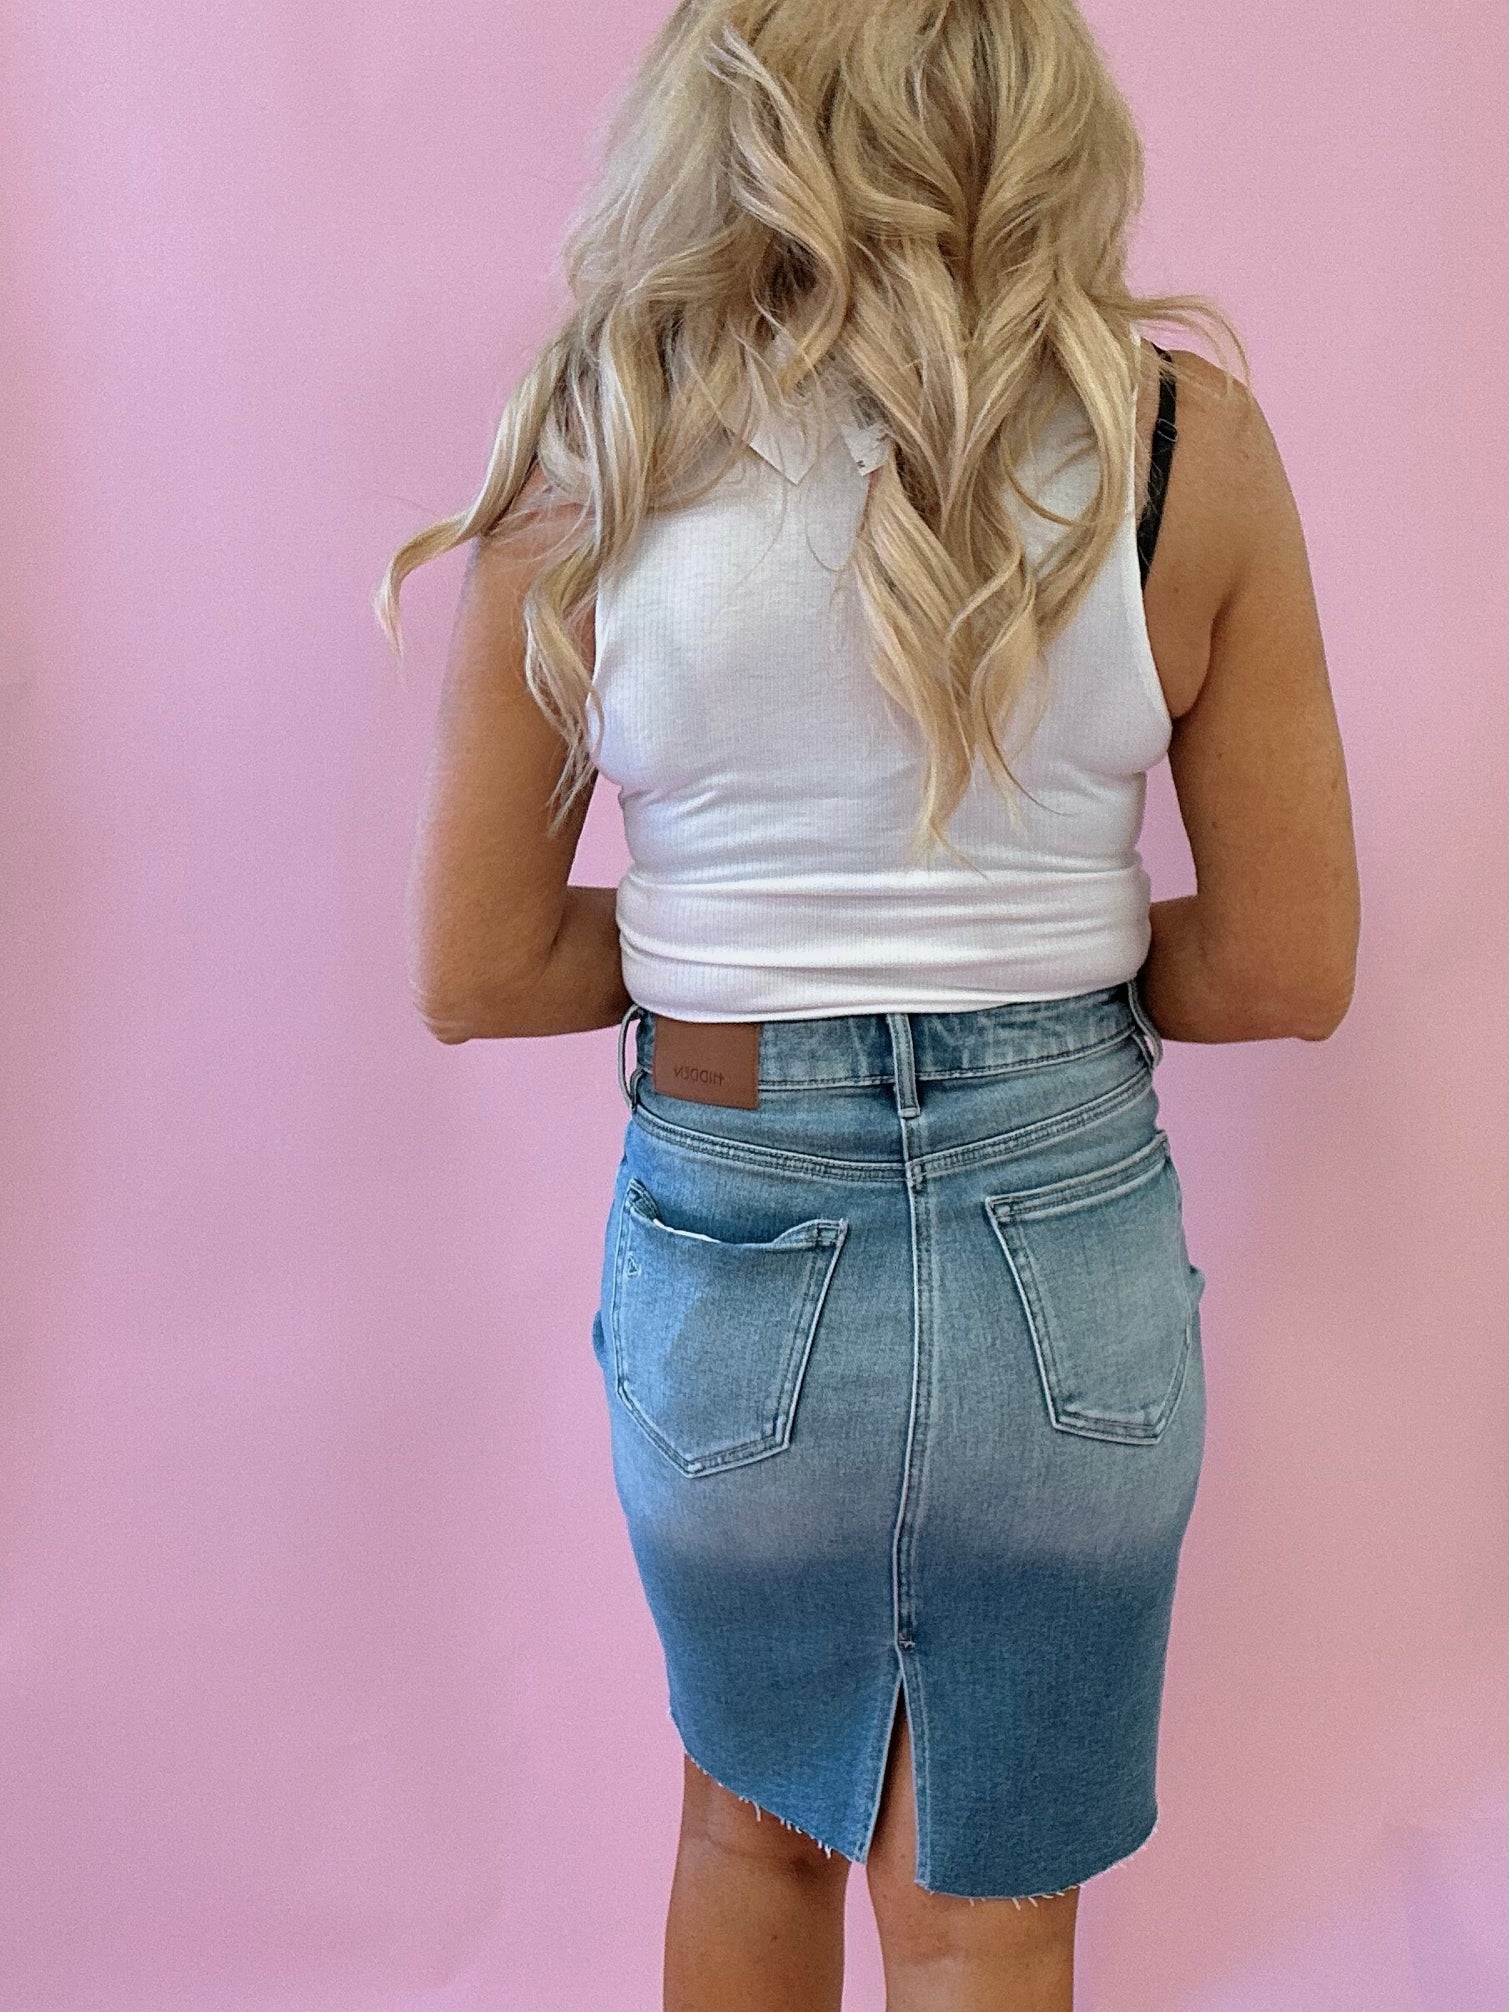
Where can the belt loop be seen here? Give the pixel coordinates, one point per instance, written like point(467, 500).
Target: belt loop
point(1151, 1041)
point(634, 1011)
point(906, 1064)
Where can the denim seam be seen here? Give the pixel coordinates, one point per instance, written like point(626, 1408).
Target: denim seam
point(615, 1291)
point(1049, 1059)
point(809, 1166)
point(821, 1230)
point(945, 1160)
point(1078, 1191)
point(911, 1509)
point(1149, 1038)
point(916, 1424)
point(1011, 1145)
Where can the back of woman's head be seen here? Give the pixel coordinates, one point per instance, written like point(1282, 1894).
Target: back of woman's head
point(923, 204)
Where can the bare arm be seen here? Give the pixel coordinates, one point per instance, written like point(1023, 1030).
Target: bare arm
point(499, 942)
point(1267, 945)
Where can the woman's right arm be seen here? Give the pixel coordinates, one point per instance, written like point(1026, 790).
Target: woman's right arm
point(1267, 945)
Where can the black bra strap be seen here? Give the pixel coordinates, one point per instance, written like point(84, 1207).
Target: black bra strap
point(1164, 435)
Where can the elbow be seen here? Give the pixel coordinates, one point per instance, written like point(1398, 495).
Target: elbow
point(448, 1017)
point(1260, 1000)
point(447, 1027)
point(446, 988)
point(446, 999)
point(1281, 975)
point(1304, 1009)
point(1321, 1012)
point(1323, 992)
point(463, 984)
point(457, 1009)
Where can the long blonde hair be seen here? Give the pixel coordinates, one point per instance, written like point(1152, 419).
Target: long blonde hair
point(926, 201)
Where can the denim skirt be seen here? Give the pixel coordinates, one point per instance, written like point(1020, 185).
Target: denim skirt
point(907, 1407)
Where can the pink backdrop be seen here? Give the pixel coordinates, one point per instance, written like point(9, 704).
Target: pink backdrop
point(328, 1686)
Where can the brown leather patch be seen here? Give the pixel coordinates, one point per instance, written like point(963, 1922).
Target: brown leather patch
point(708, 1061)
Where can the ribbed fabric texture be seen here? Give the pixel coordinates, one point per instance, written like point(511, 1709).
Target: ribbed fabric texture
point(768, 782)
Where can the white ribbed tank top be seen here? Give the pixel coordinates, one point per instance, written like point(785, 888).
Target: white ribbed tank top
point(768, 783)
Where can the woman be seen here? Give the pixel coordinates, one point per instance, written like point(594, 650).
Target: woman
point(848, 468)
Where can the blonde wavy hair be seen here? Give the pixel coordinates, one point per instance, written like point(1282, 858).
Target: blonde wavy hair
point(923, 202)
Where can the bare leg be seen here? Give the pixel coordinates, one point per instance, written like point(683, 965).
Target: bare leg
point(756, 1920)
point(946, 1954)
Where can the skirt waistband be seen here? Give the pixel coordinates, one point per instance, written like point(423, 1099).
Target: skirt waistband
point(846, 1049)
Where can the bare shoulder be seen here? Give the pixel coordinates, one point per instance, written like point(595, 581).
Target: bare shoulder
point(1227, 494)
point(533, 527)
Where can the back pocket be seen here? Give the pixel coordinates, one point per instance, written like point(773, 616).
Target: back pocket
point(1110, 1295)
point(711, 1339)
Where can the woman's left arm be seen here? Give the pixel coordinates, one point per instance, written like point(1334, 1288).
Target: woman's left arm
point(499, 942)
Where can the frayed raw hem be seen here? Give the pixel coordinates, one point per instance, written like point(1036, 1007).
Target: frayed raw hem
point(1023, 1899)
point(759, 1809)
point(975, 1899)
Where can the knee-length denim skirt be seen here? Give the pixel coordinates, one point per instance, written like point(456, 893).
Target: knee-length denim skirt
point(907, 1405)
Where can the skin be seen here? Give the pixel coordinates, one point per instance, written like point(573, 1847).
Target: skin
point(502, 945)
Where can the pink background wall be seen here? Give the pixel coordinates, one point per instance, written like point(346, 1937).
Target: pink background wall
point(328, 1686)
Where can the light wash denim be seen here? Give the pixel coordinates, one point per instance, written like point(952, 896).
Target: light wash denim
point(907, 1401)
